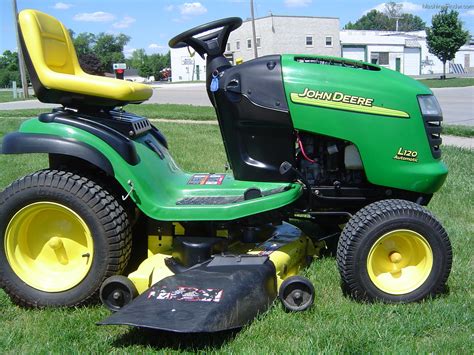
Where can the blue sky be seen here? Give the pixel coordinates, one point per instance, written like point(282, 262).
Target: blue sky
point(151, 23)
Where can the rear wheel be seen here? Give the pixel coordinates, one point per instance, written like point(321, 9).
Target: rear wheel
point(62, 236)
point(394, 251)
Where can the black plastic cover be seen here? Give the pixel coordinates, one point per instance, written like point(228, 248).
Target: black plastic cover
point(226, 293)
point(254, 120)
point(260, 80)
point(22, 143)
point(189, 251)
point(94, 125)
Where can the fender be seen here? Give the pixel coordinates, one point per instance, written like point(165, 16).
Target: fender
point(22, 143)
point(158, 182)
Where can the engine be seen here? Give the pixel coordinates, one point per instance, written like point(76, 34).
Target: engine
point(326, 161)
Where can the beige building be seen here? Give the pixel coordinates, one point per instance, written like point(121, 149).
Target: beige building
point(286, 34)
point(275, 35)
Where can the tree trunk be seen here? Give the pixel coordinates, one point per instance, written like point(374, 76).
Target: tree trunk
point(444, 70)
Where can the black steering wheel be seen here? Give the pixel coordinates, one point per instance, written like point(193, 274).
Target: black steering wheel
point(212, 44)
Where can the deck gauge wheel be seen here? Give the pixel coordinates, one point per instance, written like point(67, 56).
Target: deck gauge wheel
point(296, 294)
point(117, 291)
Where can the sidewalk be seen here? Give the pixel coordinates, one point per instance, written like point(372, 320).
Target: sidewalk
point(461, 142)
point(26, 104)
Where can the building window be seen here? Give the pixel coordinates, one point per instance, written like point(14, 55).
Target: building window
point(258, 42)
point(249, 43)
point(228, 47)
point(379, 58)
point(237, 45)
point(309, 41)
point(328, 41)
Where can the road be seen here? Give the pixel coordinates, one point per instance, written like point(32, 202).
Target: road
point(457, 103)
point(190, 94)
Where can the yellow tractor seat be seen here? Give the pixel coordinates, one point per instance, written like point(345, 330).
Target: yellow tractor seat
point(56, 74)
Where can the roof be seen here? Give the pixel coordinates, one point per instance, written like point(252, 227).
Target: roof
point(412, 43)
point(364, 37)
point(288, 16)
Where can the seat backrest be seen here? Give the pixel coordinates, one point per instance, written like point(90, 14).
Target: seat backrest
point(48, 43)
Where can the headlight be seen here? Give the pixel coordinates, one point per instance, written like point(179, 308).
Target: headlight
point(429, 106)
point(432, 117)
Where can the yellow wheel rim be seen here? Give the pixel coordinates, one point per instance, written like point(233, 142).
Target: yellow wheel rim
point(49, 246)
point(400, 261)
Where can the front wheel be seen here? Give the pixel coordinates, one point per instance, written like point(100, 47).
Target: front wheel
point(394, 251)
point(61, 236)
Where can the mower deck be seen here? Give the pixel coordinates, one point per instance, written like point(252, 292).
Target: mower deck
point(224, 292)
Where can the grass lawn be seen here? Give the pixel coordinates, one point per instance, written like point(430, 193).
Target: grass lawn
point(459, 130)
point(335, 324)
point(449, 82)
point(198, 113)
point(168, 111)
point(171, 111)
point(7, 96)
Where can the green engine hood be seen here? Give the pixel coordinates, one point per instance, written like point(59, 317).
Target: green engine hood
point(374, 108)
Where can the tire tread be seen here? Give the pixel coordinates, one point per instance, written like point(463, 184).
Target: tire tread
point(111, 214)
point(367, 218)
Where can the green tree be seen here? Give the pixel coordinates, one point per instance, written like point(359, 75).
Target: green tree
point(84, 43)
point(137, 59)
point(148, 65)
point(409, 22)
point(91, 64)
point(373, 20)
point(109, 49)
point(9, 61)
point(445, 36)
point(6, 77)
point(145, 69)
point(9, 68)
point(386, 21)
point(159, 62)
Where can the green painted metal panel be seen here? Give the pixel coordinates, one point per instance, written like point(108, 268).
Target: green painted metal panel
point(160, 183)
point(377, 136)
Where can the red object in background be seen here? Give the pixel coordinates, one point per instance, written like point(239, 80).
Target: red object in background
point(165, 73)
point(119, 73)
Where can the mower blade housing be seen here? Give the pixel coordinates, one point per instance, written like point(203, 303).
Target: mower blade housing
point(226, 293)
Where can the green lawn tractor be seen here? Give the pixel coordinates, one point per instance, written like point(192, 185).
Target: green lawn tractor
point(349, 148)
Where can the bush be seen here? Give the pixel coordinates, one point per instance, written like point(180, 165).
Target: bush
point(7, 76)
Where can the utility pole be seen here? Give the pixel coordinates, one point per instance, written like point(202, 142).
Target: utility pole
point(253, 30)
point(396, 23)
point(21, 61)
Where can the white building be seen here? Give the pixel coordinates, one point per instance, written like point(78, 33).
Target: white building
point(406, 52)
point(388, 49)
point(274, 35)
point(286, 35)
point(187, 65)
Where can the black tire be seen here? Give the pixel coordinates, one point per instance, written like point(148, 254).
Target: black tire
point(364, 233)
point(105, 218)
